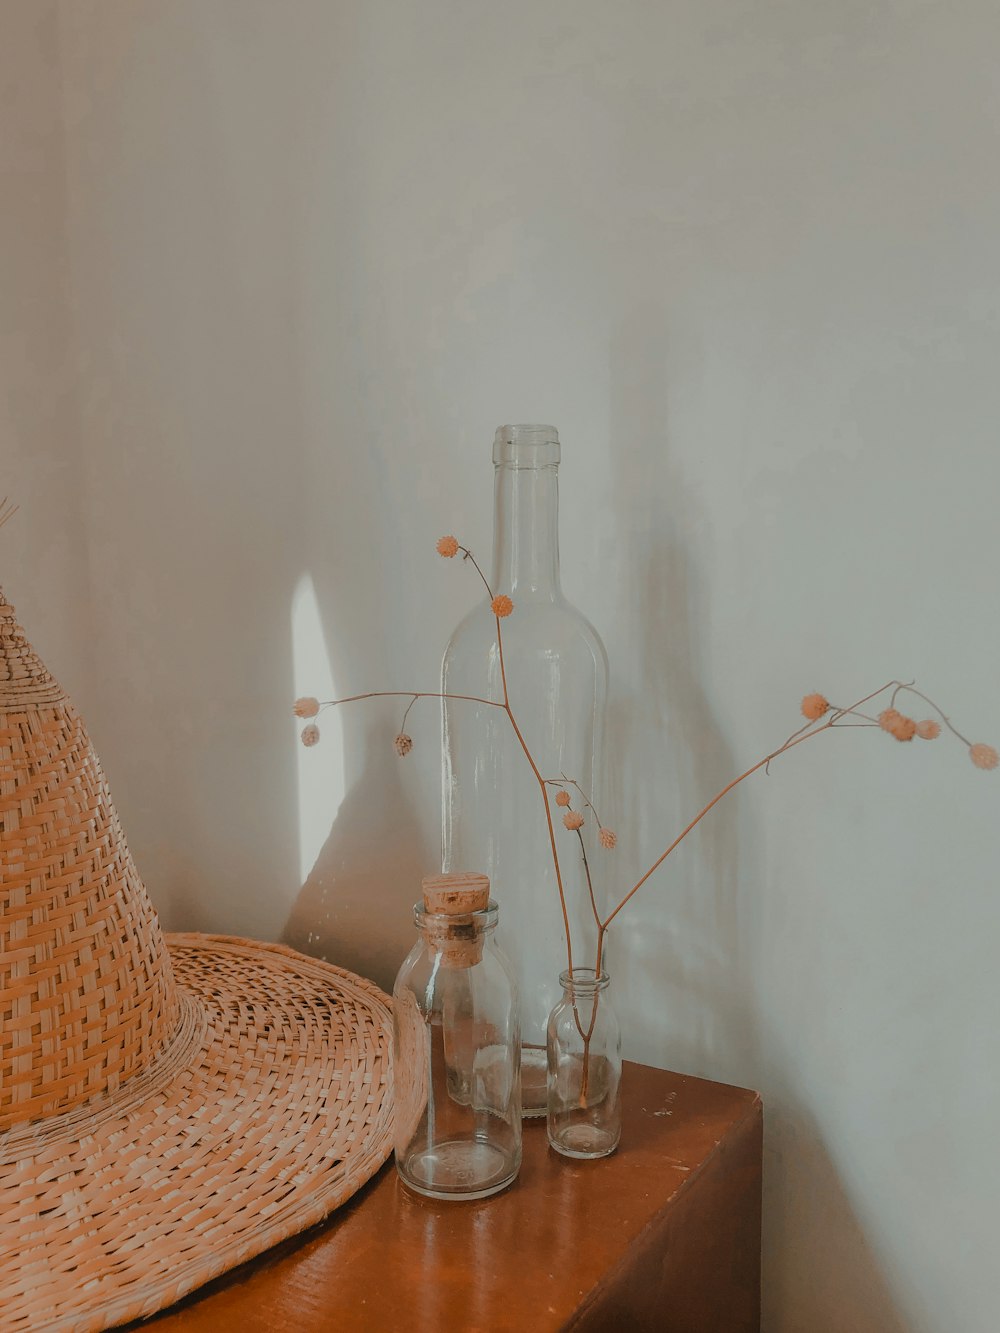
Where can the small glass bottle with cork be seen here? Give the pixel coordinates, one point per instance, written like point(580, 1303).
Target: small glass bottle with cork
point(457, 1047)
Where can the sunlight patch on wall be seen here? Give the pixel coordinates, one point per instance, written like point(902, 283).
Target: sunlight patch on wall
point(320, 769)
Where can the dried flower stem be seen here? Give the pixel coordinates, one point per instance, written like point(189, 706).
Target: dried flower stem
point(414, 695)
point(910, 689)
point(835, 715)
point(564, 781)
point(808, 732)
point(6, 510)
point(796, 739)
point(545, 795)
point(601, 928)
point(407, 694)
point(815, 707)
point(467, 555)
point(590, 882)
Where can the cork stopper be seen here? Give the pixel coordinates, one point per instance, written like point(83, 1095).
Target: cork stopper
point(458, 895)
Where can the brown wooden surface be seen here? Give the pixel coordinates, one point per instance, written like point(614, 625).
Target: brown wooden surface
point(664, 1235)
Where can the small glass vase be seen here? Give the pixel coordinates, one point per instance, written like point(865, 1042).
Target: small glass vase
point(456, 1048)
point(584, 1050)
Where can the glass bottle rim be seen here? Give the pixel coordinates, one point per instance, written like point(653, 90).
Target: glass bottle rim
point(485, 919)
point(584, 980)
point(526, 446)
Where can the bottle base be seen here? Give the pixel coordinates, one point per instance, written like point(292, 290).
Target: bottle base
point(459, 1170)
point(583, 1141)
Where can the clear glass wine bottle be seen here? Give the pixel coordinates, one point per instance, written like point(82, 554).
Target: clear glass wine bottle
point(557, 671)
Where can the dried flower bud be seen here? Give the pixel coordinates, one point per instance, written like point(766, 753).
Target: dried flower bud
point(307, 707)
point(403, 744)
point(573, 820)
point(502, 605)
point(814, 706)
point(903, 728)
point(562, 798)
point(983, 756)
point(928, 730)
point(310, 734)
point(448, 547)
point(608, 838)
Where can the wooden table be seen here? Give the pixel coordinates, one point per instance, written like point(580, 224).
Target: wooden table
point(664, 1235)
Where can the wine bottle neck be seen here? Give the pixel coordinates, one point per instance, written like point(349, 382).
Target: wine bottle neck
point(526, 512)
point(526, 530)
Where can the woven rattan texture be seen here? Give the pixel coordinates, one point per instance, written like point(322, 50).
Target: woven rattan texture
point(87, 997)
point(281, 1113)
point(23, 677)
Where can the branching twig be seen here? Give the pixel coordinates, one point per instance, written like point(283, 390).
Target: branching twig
point(954, 731)
point(815, 707)
point(408, 694)
point(790, 744)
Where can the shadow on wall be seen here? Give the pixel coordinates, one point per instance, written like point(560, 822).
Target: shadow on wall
point(354, 907)
point(683, 934)
point(836, 1284)
point(356, 885)
point(686, 981)
point(687, 993)
point(350, 866)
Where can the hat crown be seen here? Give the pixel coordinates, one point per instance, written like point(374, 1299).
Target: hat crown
point(23, 674)
point(87, 993)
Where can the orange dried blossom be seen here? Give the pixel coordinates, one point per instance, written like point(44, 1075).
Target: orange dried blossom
point(983, 756)
point(814, 706)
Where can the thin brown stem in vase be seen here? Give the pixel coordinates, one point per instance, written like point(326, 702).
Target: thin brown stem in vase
point(553, 847)
point(545, 795)
point(588, 1035)
point(814, 707)
point(590, 882)
point(597, 917)
point(571, 782)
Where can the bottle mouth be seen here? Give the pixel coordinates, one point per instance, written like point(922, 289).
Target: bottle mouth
point(526, 446)
point(465, 923)
point(583, 980)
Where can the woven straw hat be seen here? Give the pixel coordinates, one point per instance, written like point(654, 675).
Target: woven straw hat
point(164, 1114)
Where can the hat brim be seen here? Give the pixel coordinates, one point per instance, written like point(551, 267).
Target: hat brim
point(272, 1107)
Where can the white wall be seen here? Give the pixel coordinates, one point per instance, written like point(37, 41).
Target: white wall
point(745, 257)
point(43, 552)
